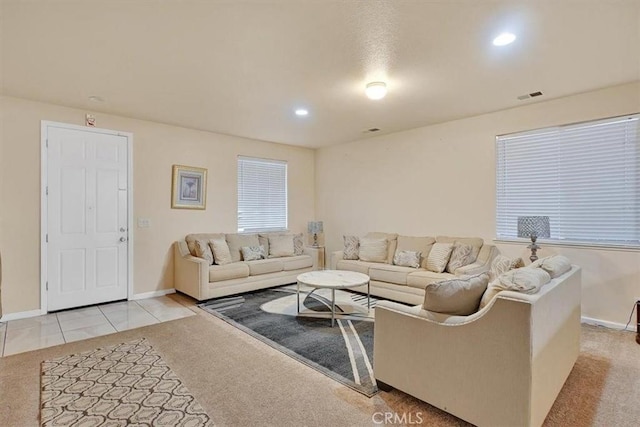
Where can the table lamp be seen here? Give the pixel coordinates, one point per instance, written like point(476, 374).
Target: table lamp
point(533, 227)
point(315, 227)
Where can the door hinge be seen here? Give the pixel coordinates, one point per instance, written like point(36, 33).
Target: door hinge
point(47, 285)
point(46, 238)
point(47, 143)
point(46, 191)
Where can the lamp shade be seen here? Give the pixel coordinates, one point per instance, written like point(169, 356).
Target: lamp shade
point(314, 227)
point(537, 226)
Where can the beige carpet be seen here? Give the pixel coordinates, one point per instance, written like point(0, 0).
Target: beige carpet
point(240, 381)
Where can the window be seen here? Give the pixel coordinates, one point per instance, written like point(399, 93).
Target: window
point(262, 195)
point(585, 177)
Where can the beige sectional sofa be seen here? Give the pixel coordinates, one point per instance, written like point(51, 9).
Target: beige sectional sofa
point(501, 366)
point(407, 284)
point(195, 276)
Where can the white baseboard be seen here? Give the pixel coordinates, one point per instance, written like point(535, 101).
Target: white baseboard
point(607, 324)
point(21, 315)
point(153, 294)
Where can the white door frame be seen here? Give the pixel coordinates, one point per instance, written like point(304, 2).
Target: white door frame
point(44, 213)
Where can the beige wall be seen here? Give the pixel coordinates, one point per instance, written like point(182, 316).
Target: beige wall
point(156, 148)
point(440, 179)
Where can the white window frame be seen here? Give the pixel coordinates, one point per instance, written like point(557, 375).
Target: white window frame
point(545, 162)
point(263, 183)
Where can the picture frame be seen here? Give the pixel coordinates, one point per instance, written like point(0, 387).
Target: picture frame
point(189, 187)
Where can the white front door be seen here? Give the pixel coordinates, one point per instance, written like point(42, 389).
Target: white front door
point(87, 214)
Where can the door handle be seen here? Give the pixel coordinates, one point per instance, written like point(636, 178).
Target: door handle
point(123, 239)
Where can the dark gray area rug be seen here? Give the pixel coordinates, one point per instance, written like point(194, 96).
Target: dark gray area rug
point(344, 352)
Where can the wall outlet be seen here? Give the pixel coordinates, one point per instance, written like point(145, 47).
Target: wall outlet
point(144, 223)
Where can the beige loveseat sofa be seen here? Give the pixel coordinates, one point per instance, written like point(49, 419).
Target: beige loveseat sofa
point(407, 284)
point(501, 366)
point(195, 277)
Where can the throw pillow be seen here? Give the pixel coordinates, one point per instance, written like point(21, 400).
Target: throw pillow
point(221, 252)
point(237, 240)
point(252, 253)
point(351, 247)
point(554, 265)
point(280, 246)
point(526, 280)
point(439, 257)
point(488, 295)
point(373, 250)
point(298, 244)
point(501, 264)
point(203, 251)
point(460, 256)
point(460, 296)
point(407, 258)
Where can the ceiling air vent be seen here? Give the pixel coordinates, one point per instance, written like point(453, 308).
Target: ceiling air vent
point(371, 130)
point(529, 95)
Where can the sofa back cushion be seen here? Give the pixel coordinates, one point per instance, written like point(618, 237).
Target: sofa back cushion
point(459, 296)
point(475, 243)
point(416, 244)
point(373, 250)
point(191, 240)
point(392, 239)
point(236, 241)
point(298, 241)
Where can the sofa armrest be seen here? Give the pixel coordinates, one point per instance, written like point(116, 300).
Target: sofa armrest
point(335, 257)
point(482, 263)
point(317, 255)
point(190, 274)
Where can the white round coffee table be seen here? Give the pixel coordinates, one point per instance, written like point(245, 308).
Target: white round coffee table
point(333, 279)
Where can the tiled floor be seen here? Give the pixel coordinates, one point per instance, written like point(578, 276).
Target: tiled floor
point(17, 336)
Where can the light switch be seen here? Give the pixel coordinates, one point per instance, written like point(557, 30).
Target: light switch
point(144, 223)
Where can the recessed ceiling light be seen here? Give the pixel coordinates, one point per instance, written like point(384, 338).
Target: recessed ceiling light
point(94, 98)
point(376, 90)
point(504, 39)
point(302, 112)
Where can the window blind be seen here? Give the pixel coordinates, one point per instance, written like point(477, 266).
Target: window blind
point(262, 195)
point(585, 177)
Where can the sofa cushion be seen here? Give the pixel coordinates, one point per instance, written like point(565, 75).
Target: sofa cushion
point(220, 250)
point(297, 262)
point(458, 296)
point(252, 253)
point(390, 273)
point(392, 238)
point(235, 270)
point(407, 258)
point(373, 250)
point(527, 280)
point(351, 247)
point(421, 244)
point(460, 256)
point(281, 245)
point(421, 278)
point(236, 241)
point(191, 240)
point(439, 257)
point(298, 241)
point(264, 266)
point(501, 264)
point(353, 265)
point(475, 242)
point(204, 251)
point(554, 265)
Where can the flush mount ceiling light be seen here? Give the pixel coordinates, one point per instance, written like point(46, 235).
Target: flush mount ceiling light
point(376, 90)
point(504, 39)
point(301, 112)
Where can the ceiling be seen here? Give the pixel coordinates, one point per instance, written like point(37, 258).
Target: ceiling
point(242, 67)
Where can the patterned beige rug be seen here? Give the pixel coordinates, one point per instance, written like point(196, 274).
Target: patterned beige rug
point(124, 385)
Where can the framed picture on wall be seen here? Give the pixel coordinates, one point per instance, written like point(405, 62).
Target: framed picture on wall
point(189, 187)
